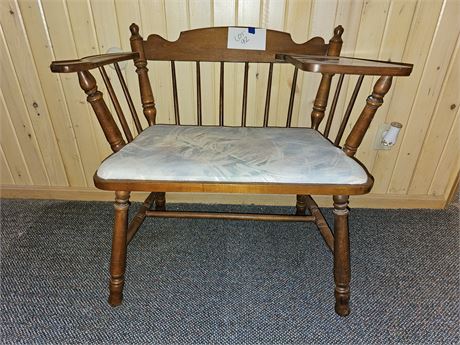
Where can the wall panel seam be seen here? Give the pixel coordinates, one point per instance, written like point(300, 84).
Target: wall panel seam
point(21, 96)
point(41, 94)
point(445, 148)
point(21, 153)
point(61, 88)
point(8, 169)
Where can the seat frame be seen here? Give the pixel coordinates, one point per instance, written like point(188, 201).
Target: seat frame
point(210, 45)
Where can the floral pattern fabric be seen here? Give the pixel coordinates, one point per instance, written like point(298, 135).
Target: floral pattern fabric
point(232, 154)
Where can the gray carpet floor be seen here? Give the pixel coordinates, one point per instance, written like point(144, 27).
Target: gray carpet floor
point(226, 282)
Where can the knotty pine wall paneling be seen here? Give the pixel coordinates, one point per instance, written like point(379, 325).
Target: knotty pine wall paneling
point(51, 143)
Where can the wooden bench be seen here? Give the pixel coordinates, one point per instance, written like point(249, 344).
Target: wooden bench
point(222, 159)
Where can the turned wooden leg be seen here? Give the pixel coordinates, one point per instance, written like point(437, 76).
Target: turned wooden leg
point(118, 259)
point(341, 255)
point(301, 205)
point(160, 202)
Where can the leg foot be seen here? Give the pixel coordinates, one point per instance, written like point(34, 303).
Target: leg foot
point(160, 201)
point(116, 292)
point(341, 255)
point(342, 298)
point(118, 258)
point(301, 205)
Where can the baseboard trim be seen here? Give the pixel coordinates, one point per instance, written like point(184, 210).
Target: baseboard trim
point(390, 201)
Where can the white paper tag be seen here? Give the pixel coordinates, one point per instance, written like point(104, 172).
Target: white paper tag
point(246, 38)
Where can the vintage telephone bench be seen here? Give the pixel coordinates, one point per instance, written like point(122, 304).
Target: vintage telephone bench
point(221, 159)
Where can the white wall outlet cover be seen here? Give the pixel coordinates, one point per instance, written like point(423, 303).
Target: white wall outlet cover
point(391, 135)
point(383, 127)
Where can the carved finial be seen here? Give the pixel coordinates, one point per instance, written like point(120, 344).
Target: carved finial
point(134, 29)
point(335, 43)
point(338, 31)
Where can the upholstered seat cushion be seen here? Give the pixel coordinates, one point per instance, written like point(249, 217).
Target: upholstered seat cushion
point(232, 154)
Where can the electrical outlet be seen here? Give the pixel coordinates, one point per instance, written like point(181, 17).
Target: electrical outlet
point(378, 145)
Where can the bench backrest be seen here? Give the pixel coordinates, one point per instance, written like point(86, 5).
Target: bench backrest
point(210, 45)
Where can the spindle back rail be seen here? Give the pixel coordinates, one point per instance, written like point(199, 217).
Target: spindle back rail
point(210, 45)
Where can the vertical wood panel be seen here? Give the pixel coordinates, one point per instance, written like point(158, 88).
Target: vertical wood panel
point(435, 70)
point(411, 31)
point(449, 164)
point(441, 123)
point(10, 147)
point(26, 73)
point(52, 88)
point(5, 173)
point(415, 51)
point(23, 129)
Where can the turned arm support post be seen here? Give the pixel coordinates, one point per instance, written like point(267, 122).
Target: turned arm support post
point(320, 104)
point(373, 102)
point(111, 131)
point(148, 102)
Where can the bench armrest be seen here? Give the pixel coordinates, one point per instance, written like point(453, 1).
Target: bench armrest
point(90, 62)
point(346, 65)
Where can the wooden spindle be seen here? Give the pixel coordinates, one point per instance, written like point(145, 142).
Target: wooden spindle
point(148, 102)
point(291, 98)
point(245, 95)
point(221, 95)
point(350, 106)
point(320, 103)
point(230, 216)
point(373, 102)
point(267, 96)
point(116, 104)
point(335, 43)
point(109, 127)
point(333, 106)
point(199, 116)
point(176, 100)
point(129, 100)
